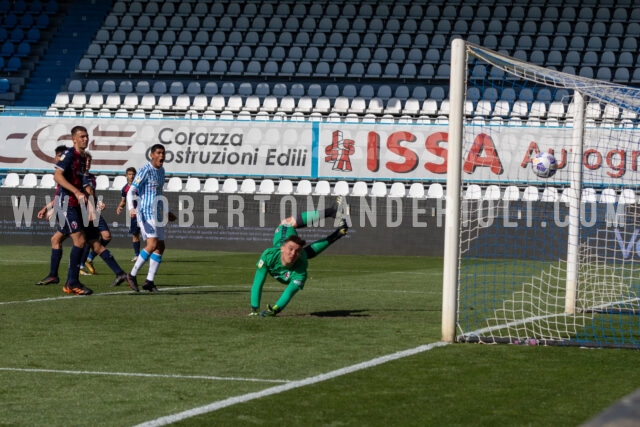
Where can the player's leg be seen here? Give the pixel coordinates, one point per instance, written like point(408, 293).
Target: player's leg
point(282, 233)
point(105, 238)
point(74, 226)
point(73, 285)
point(134, 230)
point(316, 248)
point(86, 266)
point(94, 237)
point(152, 252)
point(306, 218)
point(56, 257)
point(154, 263)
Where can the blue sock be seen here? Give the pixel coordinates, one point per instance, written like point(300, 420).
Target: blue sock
point(56, 257)
point(111, 262)
point(136, 248)
point(75, 258)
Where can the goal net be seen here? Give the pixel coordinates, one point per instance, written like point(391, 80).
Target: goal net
point(530, 259)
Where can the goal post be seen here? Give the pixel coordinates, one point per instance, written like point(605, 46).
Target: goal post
point(546, 260)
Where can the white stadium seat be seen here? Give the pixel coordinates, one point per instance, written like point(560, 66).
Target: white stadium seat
point(118, 182)
point(285, 186)
point(211, 185)
point(192, 185)
point(174, 184)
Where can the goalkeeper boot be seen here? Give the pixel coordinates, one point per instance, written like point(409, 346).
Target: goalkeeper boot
point(133, 283)
point(90, 268)
point(344, 227)
point(119, 279)
point(270, 311)
point(254, 312)
point(150, 286)
point(49, 280)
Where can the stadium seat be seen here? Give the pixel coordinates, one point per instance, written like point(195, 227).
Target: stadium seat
point(435, 191)
point(230, 185)
point(102, 182)
point(12, 180)
point(341, 188)
point(248, 186)
point(267, 186)
point(360, 189)
point(473, 192)
point(627, 196)
point(531, 193)
point(29, 180)
point(608, 195)
point(211, 185)
point(285, 186)
point(492, 192)
point(322, 188)
point(378, 189)
point(47, 181)
point(511, 193)
point(416, 191)
point(118, 182)
point(397, 189)
point(174, 184)
point(303, 187)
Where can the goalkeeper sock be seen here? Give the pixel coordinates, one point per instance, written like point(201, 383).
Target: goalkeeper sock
point(317, 247)
point(305, 218)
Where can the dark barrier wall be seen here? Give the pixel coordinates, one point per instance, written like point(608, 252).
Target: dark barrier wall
point(380, 226)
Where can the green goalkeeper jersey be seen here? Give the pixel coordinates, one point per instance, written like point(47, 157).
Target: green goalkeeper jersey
point(270, 263)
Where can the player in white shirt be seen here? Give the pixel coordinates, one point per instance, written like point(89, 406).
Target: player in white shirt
point(146, 189)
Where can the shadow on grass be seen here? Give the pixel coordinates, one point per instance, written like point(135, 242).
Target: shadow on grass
point(340, 313)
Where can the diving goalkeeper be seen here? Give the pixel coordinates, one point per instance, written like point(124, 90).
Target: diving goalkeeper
point(287, 260)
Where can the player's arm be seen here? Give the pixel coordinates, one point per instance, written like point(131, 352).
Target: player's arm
point(91, 198)
point(43, 212)
point(258, 282)
point(132, 195)
point(58, 176)
point(121, 205)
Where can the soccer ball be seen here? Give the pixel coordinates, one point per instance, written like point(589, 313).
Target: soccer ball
point(544, 165)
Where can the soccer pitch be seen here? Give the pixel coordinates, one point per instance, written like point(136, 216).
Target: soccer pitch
point(358, 346)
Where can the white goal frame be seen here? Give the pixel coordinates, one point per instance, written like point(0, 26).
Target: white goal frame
point(458, 80)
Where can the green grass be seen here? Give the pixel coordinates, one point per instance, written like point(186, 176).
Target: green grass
point(83, 360)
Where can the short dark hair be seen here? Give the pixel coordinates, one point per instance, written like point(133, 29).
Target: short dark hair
point(61, 149)
point(156, 147)
point(77, 129)
point(131, 169)
point(295, 239)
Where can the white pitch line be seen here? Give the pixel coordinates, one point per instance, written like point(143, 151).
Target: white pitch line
point(125, 292)
point(169, 419)
point(134, 374)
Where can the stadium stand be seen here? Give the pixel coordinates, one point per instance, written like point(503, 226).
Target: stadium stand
point(366, 47)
